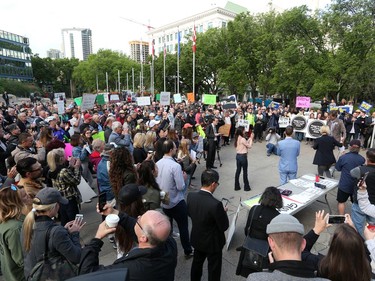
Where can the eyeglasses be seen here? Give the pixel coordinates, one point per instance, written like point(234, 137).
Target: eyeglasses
point(37, 169)
point(218, 183)
point(140, 226)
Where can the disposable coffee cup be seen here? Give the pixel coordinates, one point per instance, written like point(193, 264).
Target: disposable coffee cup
point(112, 220)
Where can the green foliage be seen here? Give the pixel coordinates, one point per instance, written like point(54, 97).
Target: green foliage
point(19, 89)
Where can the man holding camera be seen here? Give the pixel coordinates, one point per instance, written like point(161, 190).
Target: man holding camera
point(272, 139)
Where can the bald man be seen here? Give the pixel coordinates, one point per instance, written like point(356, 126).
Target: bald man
point(155, 258)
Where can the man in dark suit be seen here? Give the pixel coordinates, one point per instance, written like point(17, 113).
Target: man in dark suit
point(210, 221)
point(212, 140)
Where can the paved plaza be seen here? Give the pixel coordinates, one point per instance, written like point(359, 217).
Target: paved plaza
point(263, 172)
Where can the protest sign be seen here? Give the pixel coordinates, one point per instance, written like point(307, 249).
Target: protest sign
point(114, 98)
point(224, 130)
point(313, 128)
point(99, 135)
point(60, 107)
point(78, 101)
point(299, 123)
point(100, 99)
point(284, 122)
point(165, 98)
point(157, 97)
point(177, 98)
point(209, 99)
point(88, 101)
point(190, 97)
point(141, 101)
point(303, 102)
point(244, 123)
point(59, 96)
point(274, 104)
point(365, 106)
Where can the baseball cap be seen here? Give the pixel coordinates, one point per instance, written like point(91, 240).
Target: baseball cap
point(87, 116)
point(130, 193)
point(50, 195)
point(122, 111)
point(187, 125)
point(355, 143)
point(195, 135)
point(285, 223)
point(152, 114)
point(153, 123)
point(50, 118)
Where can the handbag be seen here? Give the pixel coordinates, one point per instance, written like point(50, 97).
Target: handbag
point(254, 250)
point(52, 268)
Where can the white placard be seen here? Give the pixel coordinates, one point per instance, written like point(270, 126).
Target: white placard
point(141, 101)
point(114, 98)
point(88, 101)
point(244, 123)
point(60, 107)
point(232, 226)
point(106, 99)
point(165, 98)
point(284, 122)
point(299, 123)
point(59, 96)
point(86, 191)
point(177, 98)
point(313, 128)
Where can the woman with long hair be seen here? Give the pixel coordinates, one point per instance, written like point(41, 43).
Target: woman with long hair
point(66, 178)
point(147, 173)
point(187, 163)
point(261, 215)
point(150, 141)
point(139, 154)
point(62, 240)
point(346, 259)
point(11, 219)
point(122, 170)
point(242, 145)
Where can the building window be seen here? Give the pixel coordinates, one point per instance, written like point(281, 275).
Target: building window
point(175, 36)
point(209, 25)
point(223, 24)
point(201, 28)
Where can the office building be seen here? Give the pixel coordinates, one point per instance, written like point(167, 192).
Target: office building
point(54, 54)
point(15, 57)
point(214, 18)
point(77, 43)
point(139, 50)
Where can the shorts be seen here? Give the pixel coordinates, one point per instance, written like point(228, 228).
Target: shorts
point(342, 196)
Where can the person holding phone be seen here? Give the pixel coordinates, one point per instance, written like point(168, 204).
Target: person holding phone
point(363, 209)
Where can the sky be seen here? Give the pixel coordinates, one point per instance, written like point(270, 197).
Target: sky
point(42, 20)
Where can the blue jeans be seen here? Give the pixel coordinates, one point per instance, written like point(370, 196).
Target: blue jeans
point(180, 214)
point(271, 148)
point(286, 176)
point(242, 163)
point(359, 218)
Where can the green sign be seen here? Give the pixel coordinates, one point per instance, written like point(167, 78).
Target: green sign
point(78, 101)
point(99, 135)
point(209, 99)
point(100, 99)
point(158, 97)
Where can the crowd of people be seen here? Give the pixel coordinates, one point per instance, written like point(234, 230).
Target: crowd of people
point(143, 159)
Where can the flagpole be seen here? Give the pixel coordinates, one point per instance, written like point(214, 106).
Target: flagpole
point(152, 70)
point(165, 53)
point(141, 78)
point(97, 84)
point(194, 49)
point(118, 74)
point(106, 80)
point(178, 60)
point(133, 78)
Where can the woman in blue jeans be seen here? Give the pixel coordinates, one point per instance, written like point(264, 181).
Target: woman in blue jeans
point(242, 145)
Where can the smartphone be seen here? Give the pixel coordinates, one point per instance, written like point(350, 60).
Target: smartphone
point(79, 217)
point(363, 179)
point(336, 219)
point(102, 200)
point(286, 192)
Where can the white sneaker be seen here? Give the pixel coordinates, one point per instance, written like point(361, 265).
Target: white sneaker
point(175, 235)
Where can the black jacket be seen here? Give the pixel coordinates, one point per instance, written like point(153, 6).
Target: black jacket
point(151, 264)
point(209, 221)
point(324, 147)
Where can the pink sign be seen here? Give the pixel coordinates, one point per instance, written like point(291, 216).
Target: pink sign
point(68, 150)
point(303, 102)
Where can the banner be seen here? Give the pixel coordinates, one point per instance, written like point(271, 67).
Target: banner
point(59, 97)
point(114, 98)
point(141, 101)
point(365, 106)
point(177, 98)
point(209, 99)
point(303, 102)
point(165, 98)
point(299, 123)
point(229, 102)
point(274, 105)
point(78, 101)
point(157, 97)
point(284, 122)
point(190, 97)
point(88, 101)
point(313, 128)
point(342, 108)
point(224, 130)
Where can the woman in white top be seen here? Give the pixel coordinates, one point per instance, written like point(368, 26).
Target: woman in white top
point(242, 145)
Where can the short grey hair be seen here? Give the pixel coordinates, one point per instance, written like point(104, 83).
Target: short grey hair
point(116, 125)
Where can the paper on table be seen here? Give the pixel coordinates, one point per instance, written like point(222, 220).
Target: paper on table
point(310, 178)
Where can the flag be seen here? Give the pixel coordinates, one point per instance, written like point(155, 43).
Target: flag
point(194, 40)
point(153, 49)
point(178, 42)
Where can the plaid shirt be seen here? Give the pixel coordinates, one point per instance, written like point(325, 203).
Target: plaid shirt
point(67, 181)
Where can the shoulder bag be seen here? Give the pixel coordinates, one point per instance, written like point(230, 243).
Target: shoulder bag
point(52, 268)
point(254, 250)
